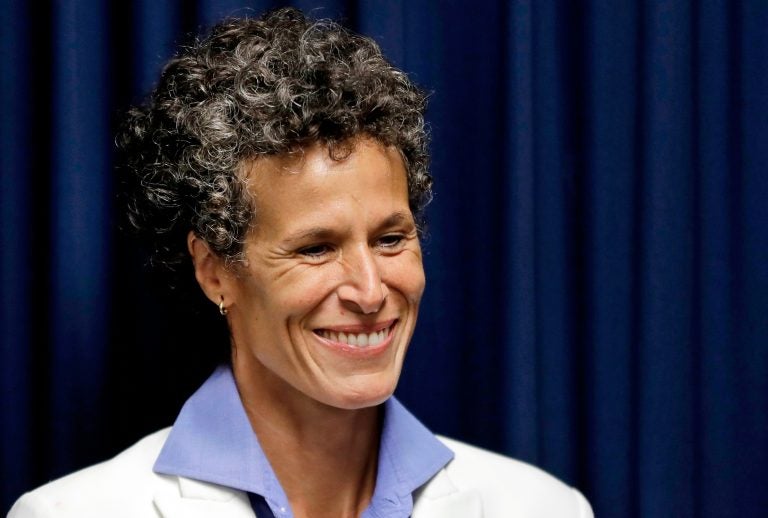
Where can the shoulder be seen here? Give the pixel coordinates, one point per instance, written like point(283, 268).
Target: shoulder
point(505, 487)
point(120, 487)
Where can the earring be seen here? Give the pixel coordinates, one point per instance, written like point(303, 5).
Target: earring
point(222, 309)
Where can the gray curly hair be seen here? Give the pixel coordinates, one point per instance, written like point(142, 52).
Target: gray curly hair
point(251, 88)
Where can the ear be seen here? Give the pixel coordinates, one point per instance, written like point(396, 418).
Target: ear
point(210, 270)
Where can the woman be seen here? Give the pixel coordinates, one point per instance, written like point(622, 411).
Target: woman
point(287, 160)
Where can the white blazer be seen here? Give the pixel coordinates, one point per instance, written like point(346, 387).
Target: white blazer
point(475, 484)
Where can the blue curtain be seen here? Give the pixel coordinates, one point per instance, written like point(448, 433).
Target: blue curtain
point(597, 254)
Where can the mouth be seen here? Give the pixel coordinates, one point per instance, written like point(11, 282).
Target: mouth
point(357, 338)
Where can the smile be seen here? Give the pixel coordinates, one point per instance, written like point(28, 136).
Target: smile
point(360, 340)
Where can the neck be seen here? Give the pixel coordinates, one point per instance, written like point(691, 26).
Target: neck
point(324, 457)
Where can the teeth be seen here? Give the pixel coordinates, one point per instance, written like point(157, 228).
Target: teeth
point(357, 340)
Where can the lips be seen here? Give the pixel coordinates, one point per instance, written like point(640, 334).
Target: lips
point(351, 337)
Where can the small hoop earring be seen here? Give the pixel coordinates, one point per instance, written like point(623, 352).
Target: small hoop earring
point(222, 309)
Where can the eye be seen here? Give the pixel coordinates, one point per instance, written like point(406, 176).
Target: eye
point(391, 241)
point(315, 251)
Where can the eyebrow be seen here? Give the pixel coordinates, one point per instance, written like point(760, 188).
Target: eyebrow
point(396, 218)
point(315, 233)
point(309, 234)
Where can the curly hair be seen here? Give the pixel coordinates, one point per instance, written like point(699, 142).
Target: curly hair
point(252, 88)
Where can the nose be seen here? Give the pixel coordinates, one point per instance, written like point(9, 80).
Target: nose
point(362, 290)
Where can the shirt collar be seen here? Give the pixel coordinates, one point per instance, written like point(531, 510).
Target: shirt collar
point(212, 441)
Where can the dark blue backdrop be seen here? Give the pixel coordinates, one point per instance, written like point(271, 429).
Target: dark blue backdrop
point(597, 261)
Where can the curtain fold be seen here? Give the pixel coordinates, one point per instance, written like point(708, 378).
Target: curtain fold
point(596, 250)
point(15, 255)
point(610, 251)
point(80, 207)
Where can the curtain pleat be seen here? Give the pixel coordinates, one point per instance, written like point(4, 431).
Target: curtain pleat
point(154, 32)
point(78, 297)
point(751, 254)
point(596, 249)
point(716, 141)
point(16, 227)
point(520, 411)
point(663, 307)
point(610, 254)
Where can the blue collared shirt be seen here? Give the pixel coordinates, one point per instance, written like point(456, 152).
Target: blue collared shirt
point(212, 441)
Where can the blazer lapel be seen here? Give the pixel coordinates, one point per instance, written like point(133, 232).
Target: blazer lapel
point(442, 499)
point(202, 500)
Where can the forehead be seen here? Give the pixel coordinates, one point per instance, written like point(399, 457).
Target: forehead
point(366, 181)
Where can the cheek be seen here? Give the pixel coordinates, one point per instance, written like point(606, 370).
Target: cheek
point(419, 283)
point(407, 277)
point(305, 293)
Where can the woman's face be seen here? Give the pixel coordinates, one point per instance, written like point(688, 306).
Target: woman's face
point(327, 302)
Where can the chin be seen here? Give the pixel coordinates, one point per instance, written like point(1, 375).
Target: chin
point(367, 396)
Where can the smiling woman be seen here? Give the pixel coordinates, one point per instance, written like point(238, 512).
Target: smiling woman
point(287, 160)
point(326, 302)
